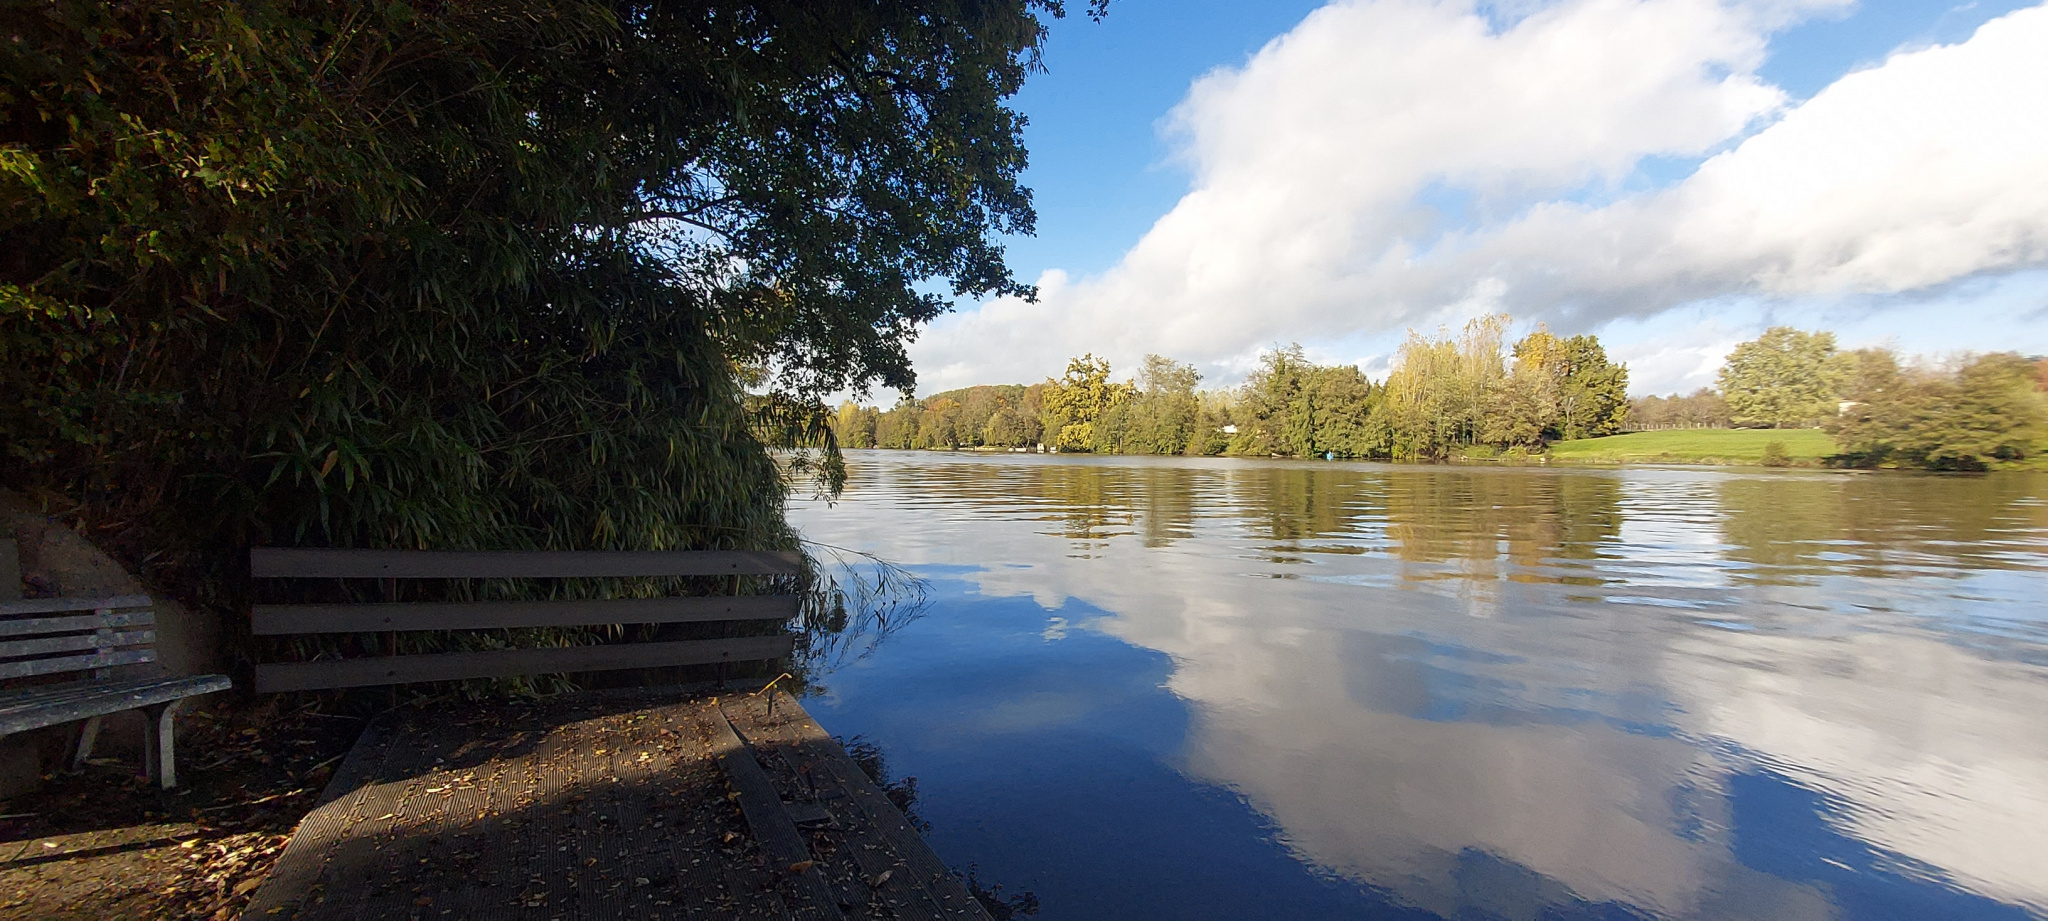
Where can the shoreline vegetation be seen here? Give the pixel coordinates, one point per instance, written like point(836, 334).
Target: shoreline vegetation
point(511, 276)
point(1786, 399)
point(1719, 447)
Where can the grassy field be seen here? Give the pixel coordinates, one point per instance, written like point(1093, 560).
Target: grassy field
point(1804, 447)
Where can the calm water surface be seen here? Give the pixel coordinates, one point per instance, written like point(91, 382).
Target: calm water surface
point(1183, 688)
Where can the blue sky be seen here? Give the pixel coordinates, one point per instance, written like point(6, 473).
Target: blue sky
point(1100, 171)
point(1212, 178)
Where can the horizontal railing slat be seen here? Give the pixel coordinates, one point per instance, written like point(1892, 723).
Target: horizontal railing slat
point(506, 663)
point(46, 645)
point(59, 605)
point(331, 563)
point(284, 619)
point(75, 663)
point(34, 626)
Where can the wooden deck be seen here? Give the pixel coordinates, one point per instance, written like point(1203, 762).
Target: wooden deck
point(607, 807)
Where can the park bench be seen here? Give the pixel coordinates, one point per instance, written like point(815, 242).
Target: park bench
point(48, 637)
point(393, 617)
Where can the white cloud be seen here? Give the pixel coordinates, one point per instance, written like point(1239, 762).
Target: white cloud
point(1316, 163)
point(1923, 170)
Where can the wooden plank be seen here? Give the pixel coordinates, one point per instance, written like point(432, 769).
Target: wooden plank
point(299, 866)
point(334, 563)
point(827, 758)
point(554, 767)
point(506, 663)
point(279, 619)
point(388, 813)
point(780, 842)
point(75, 663)
point(40, 625)
point(46, 645)
point(58, 605)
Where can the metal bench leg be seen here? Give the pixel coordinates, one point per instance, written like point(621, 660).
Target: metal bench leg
point(86, 737)
point(159, 746)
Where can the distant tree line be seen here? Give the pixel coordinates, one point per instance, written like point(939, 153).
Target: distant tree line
point(1447, 394)
point(1704, 408)
point(1969, 413)
point(1472, 393)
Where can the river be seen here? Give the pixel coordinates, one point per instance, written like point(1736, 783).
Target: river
point(1181, 688)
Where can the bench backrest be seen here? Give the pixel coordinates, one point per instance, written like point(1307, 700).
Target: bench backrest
point(321, 563)
point(54, 636)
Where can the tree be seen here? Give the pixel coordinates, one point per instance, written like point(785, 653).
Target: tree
point(1984, 412)
point(1438, 393)
point(1077, 404)
point(1593, 391)
point(1340, 409)
point(854, 425)
point(939, 425)
point(1523, 407)
point(1160, 418)
point(1009, 428)
point(1271, 416)
point(1784, 378)
point(1520, 408)
point(1574, 390)
point(898, 427)
point(465, 274)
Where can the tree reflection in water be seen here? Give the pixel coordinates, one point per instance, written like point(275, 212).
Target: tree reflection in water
point(1471, 692)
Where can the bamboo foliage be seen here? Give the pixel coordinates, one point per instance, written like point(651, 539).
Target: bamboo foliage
point(479, 273)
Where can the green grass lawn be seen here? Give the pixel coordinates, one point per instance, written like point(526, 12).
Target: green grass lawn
point(1805, 447)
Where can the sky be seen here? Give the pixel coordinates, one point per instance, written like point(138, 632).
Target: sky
point(1214, 178)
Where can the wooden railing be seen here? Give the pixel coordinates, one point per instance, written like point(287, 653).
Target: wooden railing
point(397, 617)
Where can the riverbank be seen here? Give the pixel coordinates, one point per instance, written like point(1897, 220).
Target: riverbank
point(489, 800)
point(605, 806)
point(1704, 447)
point(1715, 447)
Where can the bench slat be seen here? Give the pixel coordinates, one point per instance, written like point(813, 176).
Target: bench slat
point(63, 703)
point(281, 619)
point(39, 625)
point(76, 663)
point(334, 563)
point(59, 605)
point(47, 645)
point(84, 687)
point(506, 663)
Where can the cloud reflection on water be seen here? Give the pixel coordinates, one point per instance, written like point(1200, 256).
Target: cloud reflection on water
point(1675, 693)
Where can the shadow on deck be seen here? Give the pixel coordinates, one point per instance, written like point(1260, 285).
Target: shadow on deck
point(606, 807)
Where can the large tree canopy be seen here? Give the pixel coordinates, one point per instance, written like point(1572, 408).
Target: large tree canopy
point(1784, 378)
point(480, 273)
